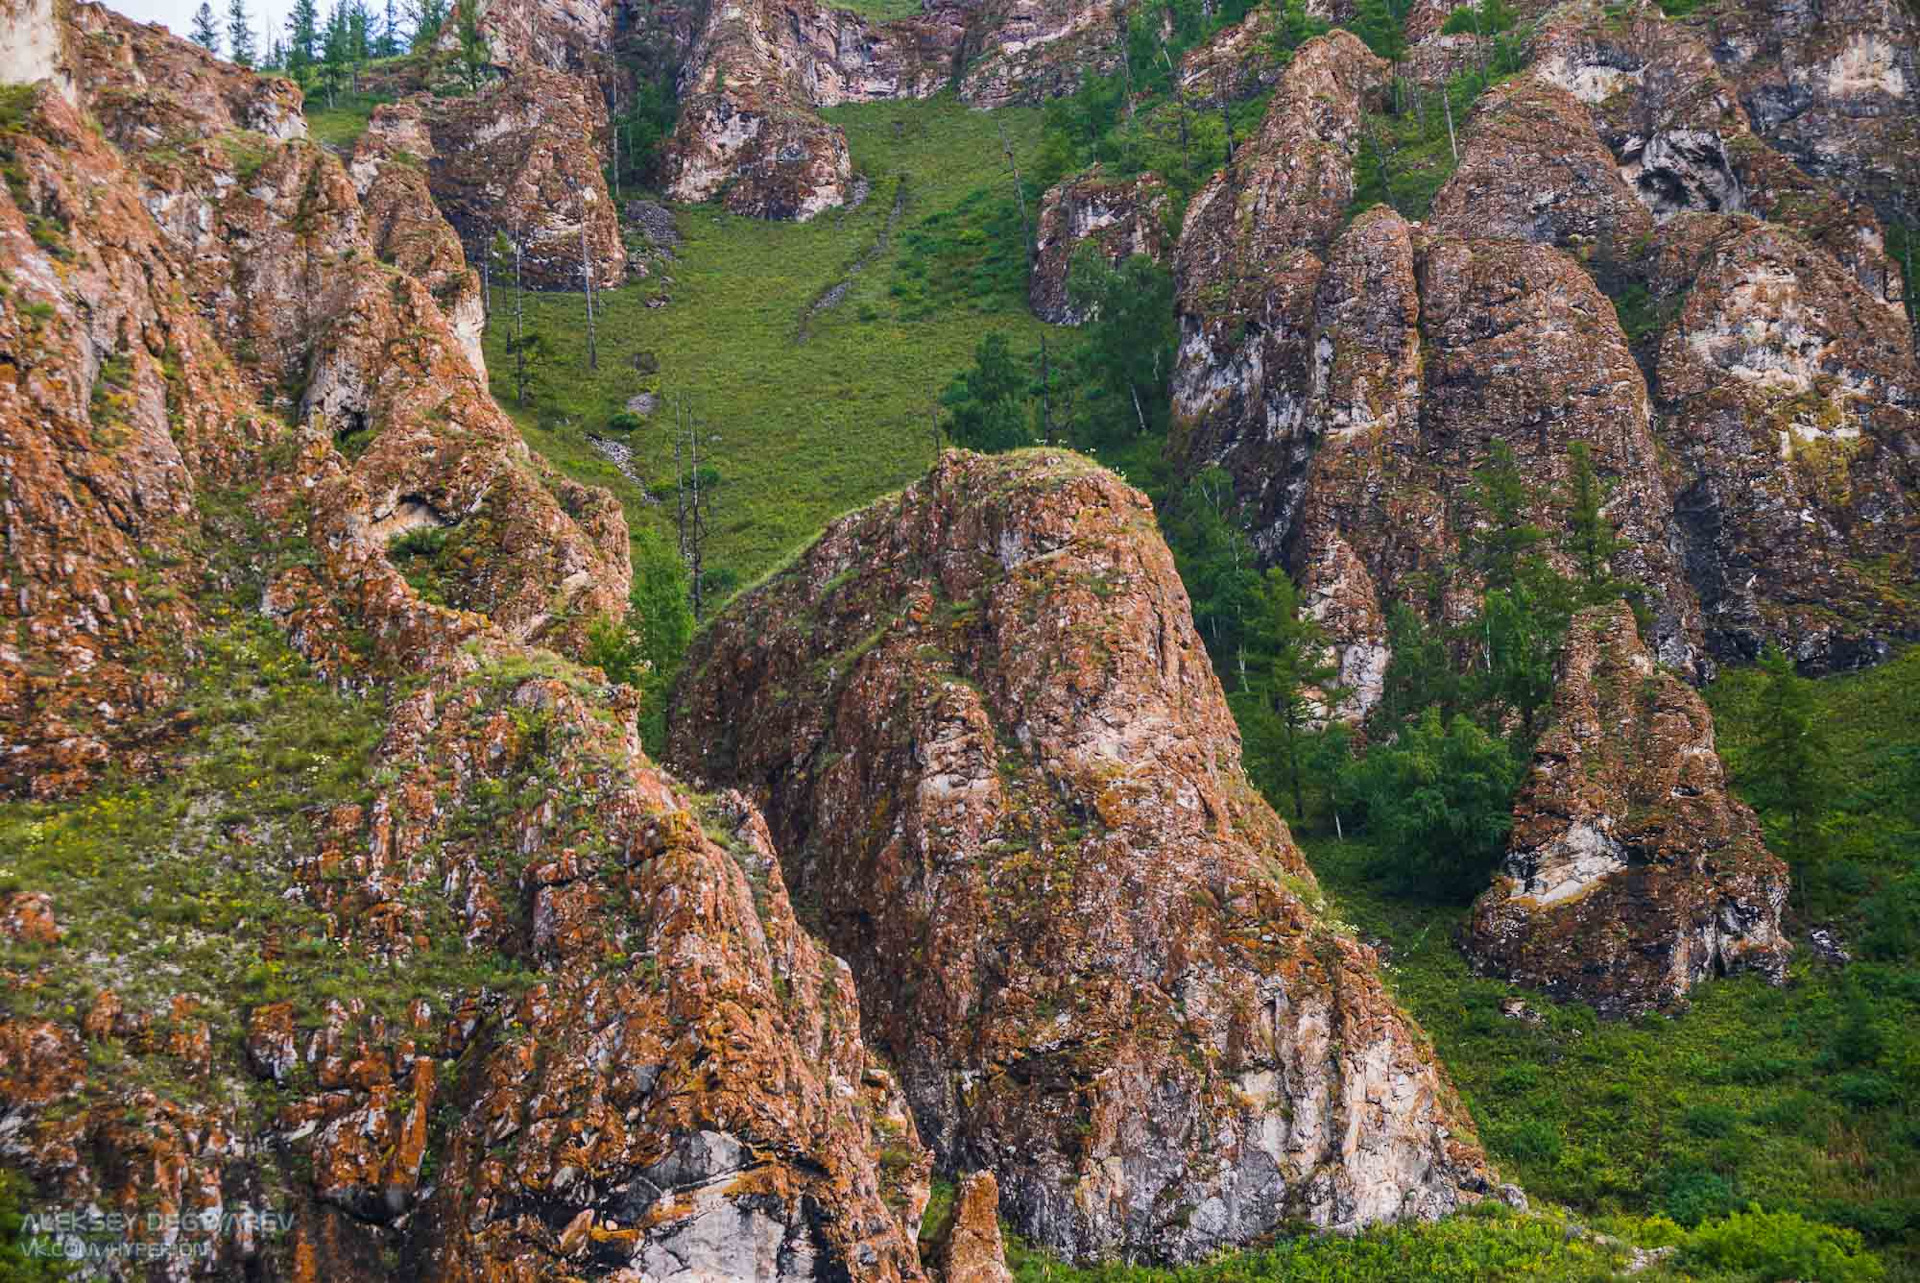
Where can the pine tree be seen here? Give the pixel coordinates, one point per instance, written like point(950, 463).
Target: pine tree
point(335, 49)
point(303, 38)
point(474, 54)
point(240, 33)
point(389, 45)
point(1292, 679)
point(428, 17)
point(1502, 548)
point(1590, 537)
point(1791, 760)
point(206, 31)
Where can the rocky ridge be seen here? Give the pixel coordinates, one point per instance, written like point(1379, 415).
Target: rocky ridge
point(1002, 778)
point(711, 1112)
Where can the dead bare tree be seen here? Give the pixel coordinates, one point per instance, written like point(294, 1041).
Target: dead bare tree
point(693, 499)
point(586, 274)
point(1019, 191)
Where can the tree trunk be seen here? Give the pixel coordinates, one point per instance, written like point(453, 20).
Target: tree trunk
point(1019, 192)
point(1446, 97)
point(586, 274)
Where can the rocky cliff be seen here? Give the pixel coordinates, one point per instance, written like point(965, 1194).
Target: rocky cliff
point(521, 159)
point(598, 1042)
point(1003, 780)
point(1351, 388)
point(1632, 874)
point(1117, 218)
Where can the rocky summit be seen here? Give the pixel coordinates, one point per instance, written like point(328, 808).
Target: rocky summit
point(930, 641)
point(995, 758)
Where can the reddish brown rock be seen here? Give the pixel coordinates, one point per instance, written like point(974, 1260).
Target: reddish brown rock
point(522, 158)
point(1245, 270)
point(406, 228)
point(973, 1251)
point(1532, 168)
point(117, 401)
point(998, 766)
point(1119, 218)
point(1236, 62)
point(1676, 123)
point(148, 88)
point(1632, 874)
point(1790, 408)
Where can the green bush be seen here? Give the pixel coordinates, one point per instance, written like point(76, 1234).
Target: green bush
point(1710, 1122)
point(624, 422)
point(1439, 802)
point(1694, 1194)
point(1772, 1247)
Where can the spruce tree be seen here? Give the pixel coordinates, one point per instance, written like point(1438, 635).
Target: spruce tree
point(303, 38)
point(1791, 759)
point(206, 30)
point(240, 33)
point(1590, 537)
point(1293, 680)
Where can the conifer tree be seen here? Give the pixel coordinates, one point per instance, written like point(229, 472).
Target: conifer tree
point(206, 31)
point(303, 38)
point(1790, 761)
point(240, 33)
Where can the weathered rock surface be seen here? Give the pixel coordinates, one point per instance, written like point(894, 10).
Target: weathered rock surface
point(1245, 270)
point(748, 131)
point(1790, 409)
point(1675, 121)
point(405, 225)
point(1002, 776)
point(679, 1089)
point(1834, 86)
point(1120, 218)
point(522, 158)
point(753, 81)
point(1632, 874)
point(1236, 62)
point(1533, 169)
point(973, 1251)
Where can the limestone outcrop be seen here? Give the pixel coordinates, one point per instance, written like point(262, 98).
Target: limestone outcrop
point(1003, 780)
point(1245, 270)
point(1119, 218)
point(1789, 405)
point(1632, 873)
point(973, 1251)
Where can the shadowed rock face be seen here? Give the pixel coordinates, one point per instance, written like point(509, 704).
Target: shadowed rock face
point(1120, 218)
point(1003, 778)
point(1246, 267)
point(681, 1087)
point(1790, 404)
point(1673, 116)
point(1631, 874)
point(522, 158)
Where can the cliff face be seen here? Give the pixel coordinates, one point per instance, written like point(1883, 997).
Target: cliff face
point(1003, 779)
point(1631, 874)
point(615, 1049)
point(1245, 268)
point(522, 158)
point(1117, 218)
point(1351, 394)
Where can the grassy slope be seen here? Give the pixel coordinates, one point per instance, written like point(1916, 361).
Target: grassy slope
point(806, 429)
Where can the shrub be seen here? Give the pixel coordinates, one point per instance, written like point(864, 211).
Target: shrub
point(624, 422)
point(1776, 1246)
point(1440, 799)
point(1864, 1090)
point(1710, 1122)
point(1694, 1194)
point(1532, 1139)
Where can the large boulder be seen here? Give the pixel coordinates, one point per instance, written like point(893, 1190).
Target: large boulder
point(1632, 873)
point(1118, 217)
point(1004, 782)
